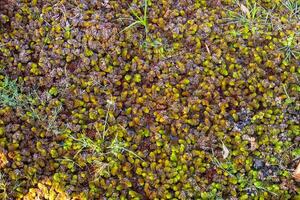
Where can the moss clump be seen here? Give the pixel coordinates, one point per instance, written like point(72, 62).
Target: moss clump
point(156, 100)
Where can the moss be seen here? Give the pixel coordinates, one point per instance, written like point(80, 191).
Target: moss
point(149, 107)
point(53, 91)
point(137, 78)
point(2, 131)
point(127, 77)
point(88, 52)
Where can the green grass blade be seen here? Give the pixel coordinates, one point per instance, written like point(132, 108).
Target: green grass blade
point(131, 25)
point(136, 14)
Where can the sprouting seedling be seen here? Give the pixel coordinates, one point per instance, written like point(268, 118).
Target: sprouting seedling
point(289, 48)
point(139, 20)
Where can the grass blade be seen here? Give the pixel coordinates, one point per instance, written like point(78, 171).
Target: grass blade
point(131, 25)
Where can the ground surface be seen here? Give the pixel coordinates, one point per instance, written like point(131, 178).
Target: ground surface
point(165, 100)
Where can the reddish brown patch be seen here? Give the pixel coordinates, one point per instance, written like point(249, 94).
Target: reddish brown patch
point(73, 65)
point(210, 174)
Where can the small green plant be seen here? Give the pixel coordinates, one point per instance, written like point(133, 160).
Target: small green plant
point(49, 122)
point(220, 165)
point(250, 16)
point(290, 49)
point(10, 94)
point(97, 149)
point(84, 142)
point(117, 146)
point(102, 145)
point(139, 20)
point(98, 146)
point(293, 7)
point(271, 20)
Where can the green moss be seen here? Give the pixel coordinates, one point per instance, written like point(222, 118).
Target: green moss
point(150, 106)
point(34, 69)
point(128, 77)
point(2, 131)
point(137, 78)
point(186, 81)
point(53, 91)
point(173, 157)
point(88, 52)
point(224, 72)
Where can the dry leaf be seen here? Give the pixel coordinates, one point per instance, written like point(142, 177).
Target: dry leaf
point(253, 144)
point(296, 173)
point(207, 49)
point(245, 10)
point(225, 151)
